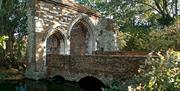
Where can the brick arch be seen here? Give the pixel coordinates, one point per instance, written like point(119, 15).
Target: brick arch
point(55, 43)
point(87, 23)
point(91, 83)
point(61, 40)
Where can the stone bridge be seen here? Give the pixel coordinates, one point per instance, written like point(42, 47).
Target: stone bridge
point(105, 68)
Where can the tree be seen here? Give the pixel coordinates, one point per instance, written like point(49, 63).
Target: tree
point(125, 11)
point(137, 18)
point(13, 25)
point(166, 9)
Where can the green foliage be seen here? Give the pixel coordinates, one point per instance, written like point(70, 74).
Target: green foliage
point(124, 12)
point(159, 74)
point(122, 39)
point(2, 41)
point(2, 76)
point(147, 39)
point(13, 25)
point(165, 38)
point(2, 46)
point(145, 25)
point(114, 87)
point(136, 38)
point(163, 73)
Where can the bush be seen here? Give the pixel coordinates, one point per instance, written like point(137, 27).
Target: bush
point(133, 38)
point(163, 73)
point(159, 74)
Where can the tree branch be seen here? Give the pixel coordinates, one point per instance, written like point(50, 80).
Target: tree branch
point(165, 5)
point(176, 7)
point(148, 6)
point(159, 7)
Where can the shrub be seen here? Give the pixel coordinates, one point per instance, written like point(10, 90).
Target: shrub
point(163, 73)
point(159, 74)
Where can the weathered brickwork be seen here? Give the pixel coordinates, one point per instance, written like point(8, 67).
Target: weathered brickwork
point(106, 35)
point(54, 43)
point(105, 68)
point(78, 40)
point(121, 53)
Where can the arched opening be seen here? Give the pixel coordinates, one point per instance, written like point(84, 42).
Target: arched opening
point(79, 39)
point(90, 83)
point(58, 79)
point(55, 44)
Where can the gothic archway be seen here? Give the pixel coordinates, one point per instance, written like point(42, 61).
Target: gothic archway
point(81, 36)
point(55, 44)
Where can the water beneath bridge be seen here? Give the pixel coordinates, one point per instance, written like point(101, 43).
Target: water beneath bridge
point(43, 85)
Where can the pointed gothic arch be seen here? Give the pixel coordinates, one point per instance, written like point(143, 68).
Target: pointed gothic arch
point(55, 43)
point(86, 36)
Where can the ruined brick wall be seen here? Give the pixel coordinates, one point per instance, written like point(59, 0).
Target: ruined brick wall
point(105, 68)
point(106, 35)
point(78, 40)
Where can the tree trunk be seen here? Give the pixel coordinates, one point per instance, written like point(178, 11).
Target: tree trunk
point(31, 31)
point(176, 7)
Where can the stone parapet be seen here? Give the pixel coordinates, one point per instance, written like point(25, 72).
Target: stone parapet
point(105, 68)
